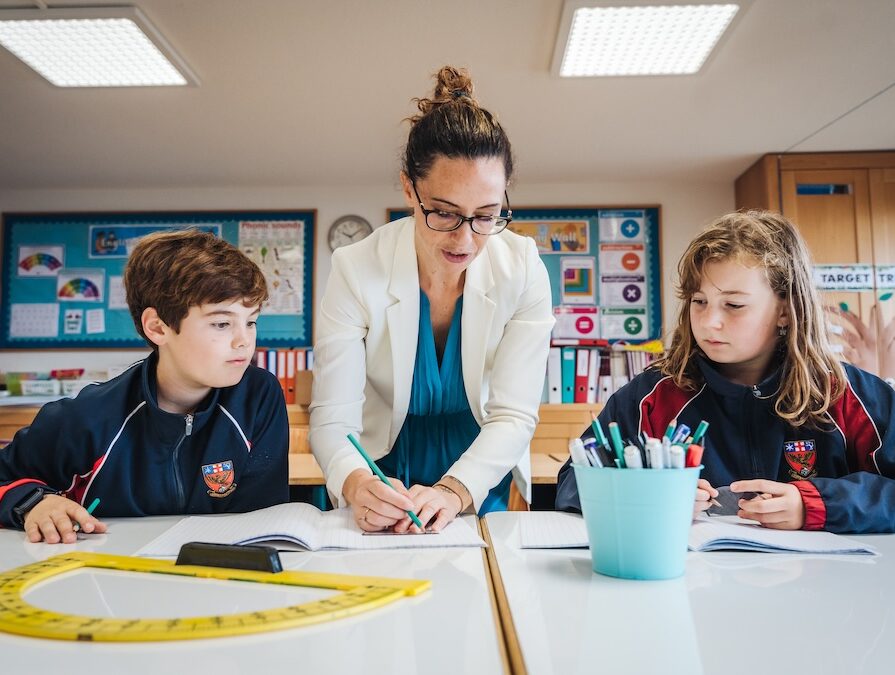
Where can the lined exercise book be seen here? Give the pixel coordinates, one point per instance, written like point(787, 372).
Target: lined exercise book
point(298, 526)
point(552, 529)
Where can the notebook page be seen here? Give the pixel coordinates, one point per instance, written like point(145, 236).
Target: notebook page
point(302, 524)
point(552, 529)
point(340, 532)
point(714, 534)
point(295, 522)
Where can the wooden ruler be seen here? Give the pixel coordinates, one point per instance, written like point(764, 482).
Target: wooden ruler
point(359, 594)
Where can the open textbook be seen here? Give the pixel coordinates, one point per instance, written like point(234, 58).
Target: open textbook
point(297, 526)
point(552, 529)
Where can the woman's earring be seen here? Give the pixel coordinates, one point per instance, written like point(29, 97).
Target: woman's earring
point(782, 331)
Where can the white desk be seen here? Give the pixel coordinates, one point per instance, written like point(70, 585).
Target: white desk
point(450, 629)
point(731, 613)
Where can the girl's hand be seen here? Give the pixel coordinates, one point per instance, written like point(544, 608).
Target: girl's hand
point(51, 521)
point(779, 506)
point(705, 493)
point(429, 503)
point(377, 506)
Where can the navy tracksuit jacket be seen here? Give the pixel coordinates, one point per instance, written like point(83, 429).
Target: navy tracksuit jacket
point(115, 443)
point(845, 473)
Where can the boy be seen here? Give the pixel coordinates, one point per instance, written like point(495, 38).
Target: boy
point(193, 428)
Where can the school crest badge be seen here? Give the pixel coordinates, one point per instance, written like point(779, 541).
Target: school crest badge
point(219, 478)
point(800, 456)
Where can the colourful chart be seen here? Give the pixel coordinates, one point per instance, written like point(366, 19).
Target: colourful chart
point(38, 260)
point(78, 288)
point(578, 281)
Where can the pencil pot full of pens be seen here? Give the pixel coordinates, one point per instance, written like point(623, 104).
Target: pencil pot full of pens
point(638, 520)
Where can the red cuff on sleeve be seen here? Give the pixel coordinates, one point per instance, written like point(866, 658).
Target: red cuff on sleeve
point(815, 510)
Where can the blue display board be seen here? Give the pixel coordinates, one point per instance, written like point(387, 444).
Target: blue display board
point(61, 275)
point(598, 257)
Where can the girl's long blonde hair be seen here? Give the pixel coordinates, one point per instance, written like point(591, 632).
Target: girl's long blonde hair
point(813, 378)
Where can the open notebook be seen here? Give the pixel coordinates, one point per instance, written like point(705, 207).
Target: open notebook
point(297, 526)
point(551, 529)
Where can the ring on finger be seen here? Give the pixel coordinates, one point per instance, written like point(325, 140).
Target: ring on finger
point(364, 517)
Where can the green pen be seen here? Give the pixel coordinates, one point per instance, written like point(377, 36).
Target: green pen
point(90, 510)
point(375, 469)
point(669, 432)
point(598, 431)
point(617, 444)
point(700, 432)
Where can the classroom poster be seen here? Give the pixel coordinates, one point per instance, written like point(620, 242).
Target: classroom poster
point(622, 289)
point(74, 319)
point(117, 293)
point(40, 261)
point(578, 285)
point(624, 324)
point(34, 320)
point(80, 285)
point(56, 262)
point(275, 246)
point(555, 236)
point(621, 226)
point(118, 240)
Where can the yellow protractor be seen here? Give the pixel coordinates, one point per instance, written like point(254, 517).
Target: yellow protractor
point(360, 594)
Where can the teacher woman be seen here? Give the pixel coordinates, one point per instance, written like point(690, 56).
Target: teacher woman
point(433, 333)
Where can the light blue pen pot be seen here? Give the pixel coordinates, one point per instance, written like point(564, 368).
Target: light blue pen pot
point(638, 520)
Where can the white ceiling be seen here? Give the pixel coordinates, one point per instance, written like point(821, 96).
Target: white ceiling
point(312, 92)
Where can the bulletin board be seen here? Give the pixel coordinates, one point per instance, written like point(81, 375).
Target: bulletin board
point(62, 273)
point(605, 257)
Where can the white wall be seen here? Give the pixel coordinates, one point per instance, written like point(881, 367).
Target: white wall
point(686, 207)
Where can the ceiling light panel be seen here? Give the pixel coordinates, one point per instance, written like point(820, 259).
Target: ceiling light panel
point(71, 48)
point(642, 40)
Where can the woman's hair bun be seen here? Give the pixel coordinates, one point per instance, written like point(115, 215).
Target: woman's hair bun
point(450, 84)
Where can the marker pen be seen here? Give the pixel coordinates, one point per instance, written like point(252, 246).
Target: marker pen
point(576, 449)
point(680, 434)
point(655, 452)
point(617, 444)
point(694, 455)
point(593, 453)
point(701, 428)
point(598, 431)
point(632, 457)
point(677, 457)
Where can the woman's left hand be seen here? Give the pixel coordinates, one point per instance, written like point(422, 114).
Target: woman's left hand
point(430, 503)
point(779, 506)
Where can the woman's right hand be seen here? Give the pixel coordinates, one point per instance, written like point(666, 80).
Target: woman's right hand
point(377, 506)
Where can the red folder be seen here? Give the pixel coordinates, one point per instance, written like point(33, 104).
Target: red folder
point(582, 358)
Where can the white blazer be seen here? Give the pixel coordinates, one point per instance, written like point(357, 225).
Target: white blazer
point(365, 351)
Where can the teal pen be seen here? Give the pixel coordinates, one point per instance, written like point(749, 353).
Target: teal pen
point(669, 432)
point(617, 444)
point(598, 431)
point(375, 469)
point(700, 432)
point(90, 510)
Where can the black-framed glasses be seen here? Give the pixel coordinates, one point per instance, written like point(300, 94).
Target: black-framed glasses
point(447, 221)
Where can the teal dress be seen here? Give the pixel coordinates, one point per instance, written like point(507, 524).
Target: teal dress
point(440, 425)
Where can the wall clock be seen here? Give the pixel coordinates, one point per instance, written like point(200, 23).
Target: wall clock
point(347, 230)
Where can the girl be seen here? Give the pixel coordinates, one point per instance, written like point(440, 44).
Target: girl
point(750, 356)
